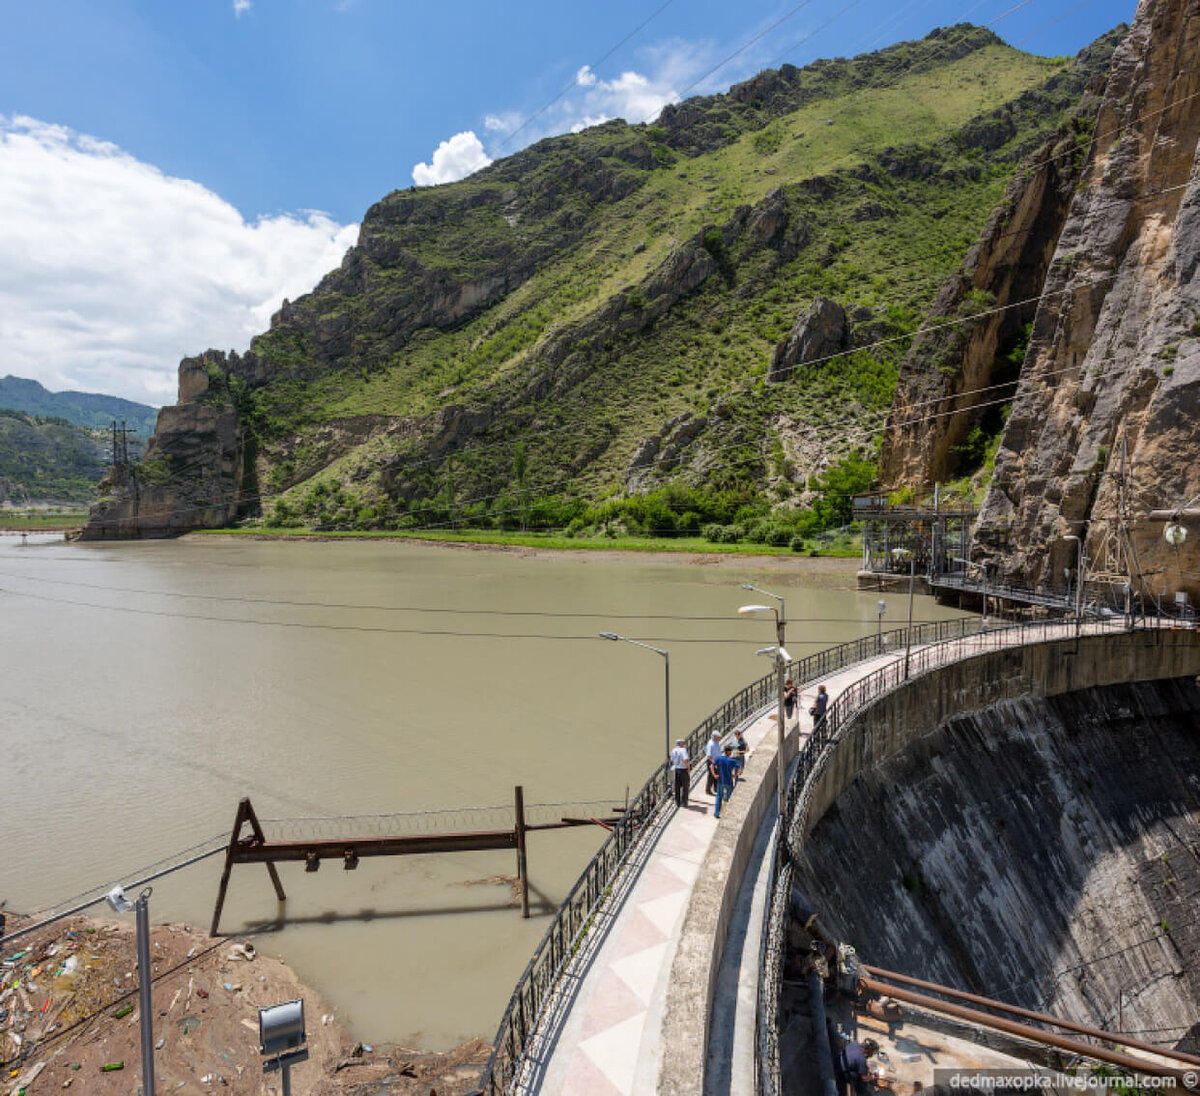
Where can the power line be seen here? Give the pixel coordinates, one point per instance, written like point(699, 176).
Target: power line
point(380, 630)
point(355, 606)
point(595, 65)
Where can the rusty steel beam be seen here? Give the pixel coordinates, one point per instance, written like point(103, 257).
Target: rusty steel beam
point(372, 846)
point(567, 823)
point(1024, 1031)
point(1173, 515)
point(1029, 1014)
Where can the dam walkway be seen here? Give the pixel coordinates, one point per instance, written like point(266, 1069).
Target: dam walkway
point(635, 1008)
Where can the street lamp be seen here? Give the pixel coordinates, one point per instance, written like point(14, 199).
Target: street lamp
point(983, 568)
point(781, 662)
point(908, 554)
point(141, 907)
point(1078, 581)
point(667, 672)
point(881, 608)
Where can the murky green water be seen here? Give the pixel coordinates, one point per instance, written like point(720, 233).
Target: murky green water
point(147, 687)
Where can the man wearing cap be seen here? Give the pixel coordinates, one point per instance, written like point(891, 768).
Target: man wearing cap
point(680, 767)
point(711, 752)
point(727, 767)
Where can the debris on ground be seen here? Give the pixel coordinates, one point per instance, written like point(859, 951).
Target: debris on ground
point(69, 1020)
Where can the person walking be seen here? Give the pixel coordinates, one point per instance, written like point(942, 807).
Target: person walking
point(725, 768)
point(740, 748)
point(711, 752)
point(681, 766)
point(789, 698)
point(817, 711)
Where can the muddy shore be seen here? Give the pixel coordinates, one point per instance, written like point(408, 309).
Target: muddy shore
point(69, 1020)
point(822, 570)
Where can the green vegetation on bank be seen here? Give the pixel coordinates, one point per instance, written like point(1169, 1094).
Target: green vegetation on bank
point(49, 520)
point(847, 545)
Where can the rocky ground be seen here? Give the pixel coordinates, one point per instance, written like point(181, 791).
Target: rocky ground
point(69, 1019)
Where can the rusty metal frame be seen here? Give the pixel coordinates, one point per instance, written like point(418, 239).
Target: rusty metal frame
point(254, 848)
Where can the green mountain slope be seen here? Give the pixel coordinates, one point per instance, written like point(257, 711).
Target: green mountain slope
point(81, 408)
point(597, 317)
point(52, 461)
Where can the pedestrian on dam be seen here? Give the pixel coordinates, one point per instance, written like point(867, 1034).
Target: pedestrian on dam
point(726, 767)
point(711, 752)
point(817, 711)
point(681, 766)
point(789, 698)
point(740, 748)
point(852, 1065)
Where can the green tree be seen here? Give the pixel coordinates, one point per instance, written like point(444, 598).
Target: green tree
point(521, 475)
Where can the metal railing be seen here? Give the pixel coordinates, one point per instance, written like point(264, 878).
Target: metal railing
point(565, 935)
point(847, 707)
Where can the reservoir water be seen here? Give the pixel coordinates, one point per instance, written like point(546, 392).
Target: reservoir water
point(149, 686)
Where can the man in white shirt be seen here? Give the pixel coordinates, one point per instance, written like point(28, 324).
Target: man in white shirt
point(711, 752)
point(680, 767)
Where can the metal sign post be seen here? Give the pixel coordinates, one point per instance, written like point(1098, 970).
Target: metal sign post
point(281, 1028)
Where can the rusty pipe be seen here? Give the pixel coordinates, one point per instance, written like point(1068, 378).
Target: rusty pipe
point(1029, 1014)
point(1036, 1035)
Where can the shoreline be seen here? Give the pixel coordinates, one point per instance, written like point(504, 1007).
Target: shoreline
point(801, 564)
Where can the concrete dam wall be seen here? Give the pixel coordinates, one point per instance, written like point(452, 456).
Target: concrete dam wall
point(1044, 850)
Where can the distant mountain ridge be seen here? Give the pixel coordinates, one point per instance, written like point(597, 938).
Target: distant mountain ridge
point(86, 409)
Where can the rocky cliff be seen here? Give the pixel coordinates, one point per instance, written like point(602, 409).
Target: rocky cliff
point(1107, 411)
point(193, 472)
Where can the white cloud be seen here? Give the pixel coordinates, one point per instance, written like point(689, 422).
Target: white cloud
point(240, 7)
point(452, 160)
point(111, 271)
point(505, 122)
point(665, 72)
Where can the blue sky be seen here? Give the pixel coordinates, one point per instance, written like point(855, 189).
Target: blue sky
point(170, 169)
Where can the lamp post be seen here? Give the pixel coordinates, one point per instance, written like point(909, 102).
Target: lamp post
point(141, 908)
point(880, 608)
point(781, 661)
point(667, 680)
point(1078, 581)
point(982, 567)
point(908, 554)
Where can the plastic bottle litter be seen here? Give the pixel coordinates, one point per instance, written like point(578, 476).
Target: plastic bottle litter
point(112, 1067)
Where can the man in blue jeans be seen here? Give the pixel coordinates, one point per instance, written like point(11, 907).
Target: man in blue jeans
point(724, 767)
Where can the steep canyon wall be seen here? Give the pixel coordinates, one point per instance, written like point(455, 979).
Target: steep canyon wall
point(1043, 850)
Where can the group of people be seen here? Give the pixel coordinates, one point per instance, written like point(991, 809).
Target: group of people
point(724, 763)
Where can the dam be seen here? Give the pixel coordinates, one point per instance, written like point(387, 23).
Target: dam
point(1010, 814)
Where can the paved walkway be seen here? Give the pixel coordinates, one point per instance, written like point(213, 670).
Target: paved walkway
point(607, 1043)
point(602, 1032)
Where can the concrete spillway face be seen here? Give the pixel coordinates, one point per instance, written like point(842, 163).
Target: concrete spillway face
point(1045, 852)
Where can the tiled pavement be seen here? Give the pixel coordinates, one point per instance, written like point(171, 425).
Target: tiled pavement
point(607, 1044)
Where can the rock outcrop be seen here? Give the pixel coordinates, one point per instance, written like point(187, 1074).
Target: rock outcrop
point(819, 332)
point(1112, 374)
point(194, 469)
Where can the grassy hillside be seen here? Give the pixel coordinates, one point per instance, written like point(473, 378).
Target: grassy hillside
point(580, 335)
point(50, 460)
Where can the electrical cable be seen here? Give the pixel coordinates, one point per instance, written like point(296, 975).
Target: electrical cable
point(361, 606)
point(593, 67)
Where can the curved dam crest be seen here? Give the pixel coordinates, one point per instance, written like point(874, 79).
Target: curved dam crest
point(1043, 850)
